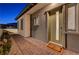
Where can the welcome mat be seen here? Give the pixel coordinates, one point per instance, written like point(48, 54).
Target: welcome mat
point(56, 47)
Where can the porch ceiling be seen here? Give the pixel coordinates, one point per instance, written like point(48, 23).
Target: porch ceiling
point(37, 7)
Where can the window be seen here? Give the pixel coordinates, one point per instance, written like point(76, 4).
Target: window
point(71, 17)
point(36, 20)
point(21, 24)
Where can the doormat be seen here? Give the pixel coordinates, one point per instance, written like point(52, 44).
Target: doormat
point(56, 47)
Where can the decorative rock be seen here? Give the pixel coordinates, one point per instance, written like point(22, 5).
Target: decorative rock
point(5, 40)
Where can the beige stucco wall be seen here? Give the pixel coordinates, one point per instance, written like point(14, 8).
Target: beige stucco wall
point(26, 25)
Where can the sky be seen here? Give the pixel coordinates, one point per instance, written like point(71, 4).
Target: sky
point(9, 11)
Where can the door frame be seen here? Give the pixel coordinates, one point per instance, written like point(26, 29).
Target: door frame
point(64, 19)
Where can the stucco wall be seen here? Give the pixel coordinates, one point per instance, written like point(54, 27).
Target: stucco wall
point(26, 25)
point(40, 31)
point(73, 42)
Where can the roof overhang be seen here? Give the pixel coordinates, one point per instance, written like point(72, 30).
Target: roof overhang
point(32, 8)
point(29, 6)
point(37, 7)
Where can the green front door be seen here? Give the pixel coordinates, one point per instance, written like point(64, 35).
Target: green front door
point(55, 22)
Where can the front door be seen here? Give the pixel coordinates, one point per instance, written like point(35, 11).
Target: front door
point(55, 25)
